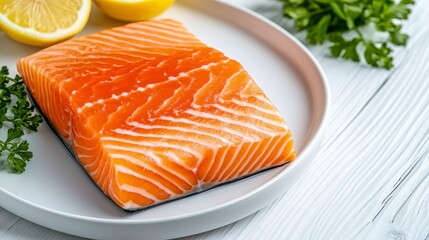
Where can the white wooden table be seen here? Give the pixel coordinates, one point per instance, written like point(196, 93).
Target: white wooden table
point(370, 180)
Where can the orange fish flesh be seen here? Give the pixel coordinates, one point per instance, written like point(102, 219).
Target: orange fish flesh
point(154, 114)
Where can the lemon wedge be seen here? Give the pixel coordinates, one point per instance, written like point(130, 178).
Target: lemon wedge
point(133, 10)
point(43, 22)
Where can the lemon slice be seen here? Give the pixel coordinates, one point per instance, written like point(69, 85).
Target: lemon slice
point(133, 10)
point(43, 22)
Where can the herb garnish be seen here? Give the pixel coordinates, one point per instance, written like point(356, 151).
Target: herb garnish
point(18, 117)
point(330, 19)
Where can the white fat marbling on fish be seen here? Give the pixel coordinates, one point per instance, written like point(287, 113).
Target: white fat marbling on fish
point(248, 158)
point(204, 67)
point(258, 117)
point(81, 156)
point(136, 146)
point(206, 85)
point(149, 167)
point(186, 138)
point(239, 162)
point(141, 40)
point(261, 155)
point(219, 163)
point(230, 121)
point(167, 102)
point(152, 85)
point(113, 96)
point(209, 126)
point(140, 191)
point(256, 107)
point(232, 160)
point(175, 158)
point(266, 155)
point(263, 99)
point(148, 154)
point(184, 130)
point(131, 205)
point(123, 169)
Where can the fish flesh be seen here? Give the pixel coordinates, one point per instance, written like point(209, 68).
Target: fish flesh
point(154, 114)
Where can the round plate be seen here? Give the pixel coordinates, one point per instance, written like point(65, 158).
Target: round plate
point(55, 192)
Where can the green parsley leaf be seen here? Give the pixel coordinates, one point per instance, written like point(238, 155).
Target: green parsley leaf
point(19, 156)
point(317, 33)
point(14, 133)
point(378, 56)
point(17, 116)
point(23, 115)
point(345, 48)
point(398, 38)
point(328, 19)
point(296, 13)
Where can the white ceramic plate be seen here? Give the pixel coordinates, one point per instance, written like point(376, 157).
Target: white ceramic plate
point(55, 192)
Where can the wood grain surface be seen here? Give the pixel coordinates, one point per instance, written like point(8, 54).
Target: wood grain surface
point(369, 180)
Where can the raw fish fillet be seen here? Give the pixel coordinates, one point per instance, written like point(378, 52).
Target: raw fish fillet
point(154, 114)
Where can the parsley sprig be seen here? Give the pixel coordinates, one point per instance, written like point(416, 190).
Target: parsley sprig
point(18, 117)
point(331, 19)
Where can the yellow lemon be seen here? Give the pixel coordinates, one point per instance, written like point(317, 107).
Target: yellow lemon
point(133, 10)
point(43, 22)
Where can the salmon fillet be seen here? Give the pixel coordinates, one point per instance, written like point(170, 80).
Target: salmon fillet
point(154, 114)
